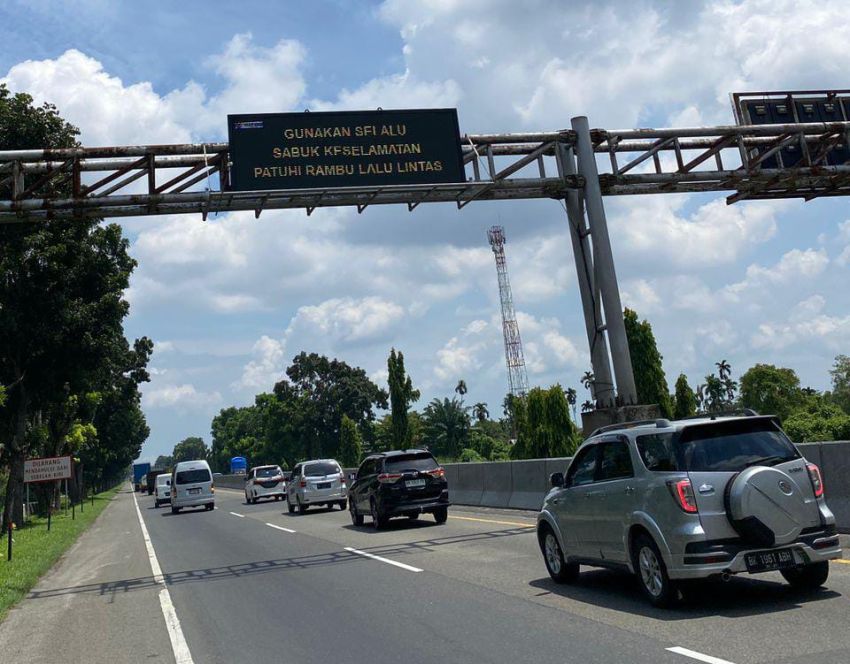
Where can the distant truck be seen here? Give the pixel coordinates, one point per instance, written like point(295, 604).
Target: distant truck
point(238, 466)
point(150, 480)
point(140, 471)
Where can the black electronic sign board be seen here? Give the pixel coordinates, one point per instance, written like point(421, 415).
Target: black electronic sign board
point(344, 149)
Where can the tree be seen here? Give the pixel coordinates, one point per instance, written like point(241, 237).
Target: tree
point(546, 429)
point(650, 381)
point(817, 420)
point(685, 403)
point(572, 399)
point(771, 390)
point(402, 395)
point(164, 461)
point(350, 449)
point(61, 303)
point(840, 374)
point(190, 449)
point(460, 388)
point(446, 426)
point(480, 412)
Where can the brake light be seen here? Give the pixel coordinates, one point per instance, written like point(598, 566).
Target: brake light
point(683, 492)
point(815, 477)
point(437, 472)
point(302, 483)
point(389, 478)
point(342, 479)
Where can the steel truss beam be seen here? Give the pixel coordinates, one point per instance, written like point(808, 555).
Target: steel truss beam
point(102, 182)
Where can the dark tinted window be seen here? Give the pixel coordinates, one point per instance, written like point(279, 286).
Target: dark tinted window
point(192, 476)
point(297, 470)
point(266, 472)
point(320, 469)
point(732, 446)
point(583, 468)
point(398, 464)
point(615, 462)
point(656, 451)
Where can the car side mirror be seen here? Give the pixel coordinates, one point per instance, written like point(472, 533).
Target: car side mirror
point(556, 480)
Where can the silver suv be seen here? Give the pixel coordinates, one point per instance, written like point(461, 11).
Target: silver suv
point(318, 482)
point(690, 499)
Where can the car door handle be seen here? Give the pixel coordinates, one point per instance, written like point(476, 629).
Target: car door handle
point(630, 490)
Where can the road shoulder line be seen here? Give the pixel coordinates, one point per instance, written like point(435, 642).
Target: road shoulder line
point(409, 568)
point(179, 647)
point(287, 530)
point(693, 654)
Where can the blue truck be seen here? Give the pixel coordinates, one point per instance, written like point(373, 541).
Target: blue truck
point(238, 466)
point(140, 470)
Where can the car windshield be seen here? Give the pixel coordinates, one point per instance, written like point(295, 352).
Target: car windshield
point(734, 445)
point(267, 472)
point(194, 475)
point(321, 469)
point(401, 463)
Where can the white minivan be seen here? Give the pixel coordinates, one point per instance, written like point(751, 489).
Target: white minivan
point(162, 490)
point(192, 486)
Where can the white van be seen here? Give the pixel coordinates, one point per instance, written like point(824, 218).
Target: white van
point(192, 486)
point(162, 490)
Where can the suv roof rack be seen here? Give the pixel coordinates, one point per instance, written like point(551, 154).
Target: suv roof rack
point(659, 422)
point(737, 412)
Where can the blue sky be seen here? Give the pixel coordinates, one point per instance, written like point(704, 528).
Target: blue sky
point(229, 301)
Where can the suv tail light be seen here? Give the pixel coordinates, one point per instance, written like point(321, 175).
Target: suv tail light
point(302, 483)
point(436, 473)
point(815, 477)
point(342, 479)
point(389, 478)
point(683, 493)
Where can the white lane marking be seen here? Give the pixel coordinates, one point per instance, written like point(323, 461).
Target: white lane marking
point(693, 654)
point(179, 647)
point(409, 568)
point(286, 530)
point(241, 516)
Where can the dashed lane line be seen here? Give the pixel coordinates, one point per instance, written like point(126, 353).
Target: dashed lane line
point(172, 624)
point(286, 530)
point(241, 516)
point(693, 654)
point(501, 523)
point(409, 568)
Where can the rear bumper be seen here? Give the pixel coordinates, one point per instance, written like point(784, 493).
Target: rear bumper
point(193, 502)
point(262, 492)
point(709, 558)
point(323, 496)
point(416, 506)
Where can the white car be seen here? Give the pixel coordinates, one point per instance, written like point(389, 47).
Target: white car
point(162, 490)
point(264, 482)
point(192, 486)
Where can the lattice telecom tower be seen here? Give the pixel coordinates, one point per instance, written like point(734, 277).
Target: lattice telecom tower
point(517, 377)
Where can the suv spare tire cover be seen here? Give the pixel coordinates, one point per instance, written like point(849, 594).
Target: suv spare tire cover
point(766, 506)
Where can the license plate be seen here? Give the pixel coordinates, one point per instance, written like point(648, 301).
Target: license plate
point(323, 485)
point(764, 561)
point(194, 491)
point(412, 484)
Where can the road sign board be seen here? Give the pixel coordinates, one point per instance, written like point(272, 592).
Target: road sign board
point(47, 469)
point(344, 149)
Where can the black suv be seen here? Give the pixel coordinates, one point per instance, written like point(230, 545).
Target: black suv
point(401, 483)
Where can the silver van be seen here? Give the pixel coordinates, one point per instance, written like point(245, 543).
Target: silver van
point(317, 482)
point(192, 486)
point(690, 499)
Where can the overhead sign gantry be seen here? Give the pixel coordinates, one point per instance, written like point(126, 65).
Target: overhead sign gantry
point(578, 166)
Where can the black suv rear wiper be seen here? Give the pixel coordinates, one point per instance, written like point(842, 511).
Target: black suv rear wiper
point(768, 461)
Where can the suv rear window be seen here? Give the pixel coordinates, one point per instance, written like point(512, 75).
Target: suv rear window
point(266, 472)
point(732, 446)
point(422, 461)
point(320, 469)
point(192, 476)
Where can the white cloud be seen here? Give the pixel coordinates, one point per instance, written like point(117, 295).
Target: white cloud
point(181, 397)
point(267, 367)
point(348, 320)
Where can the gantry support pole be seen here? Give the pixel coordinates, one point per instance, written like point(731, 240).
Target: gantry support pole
point(602, 387)
point(604, 272)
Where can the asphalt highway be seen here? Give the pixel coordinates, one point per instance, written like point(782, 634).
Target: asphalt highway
point(254, 582)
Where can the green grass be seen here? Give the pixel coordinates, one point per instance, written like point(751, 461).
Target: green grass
point(34, 550)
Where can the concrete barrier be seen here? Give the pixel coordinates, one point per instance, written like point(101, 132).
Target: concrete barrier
point(470, 484)
point(230, 481)
point(497, 484)
point(452, 475)
point(556, 466)
point(836, 480)
point(529, 484)
point(811, 451)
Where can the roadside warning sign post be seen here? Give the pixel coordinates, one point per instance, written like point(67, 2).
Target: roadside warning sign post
point(47, 469)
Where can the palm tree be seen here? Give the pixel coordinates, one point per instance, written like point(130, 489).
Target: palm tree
point(724, 369)
point(587, 406)
point(572, 398)
point(461, 387)
point(699, 393)
point(480, 412)
point(446, 425)
point(587, 379)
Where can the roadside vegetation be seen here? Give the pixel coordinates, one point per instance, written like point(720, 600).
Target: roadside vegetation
point(69, 376)
point(35, 550)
